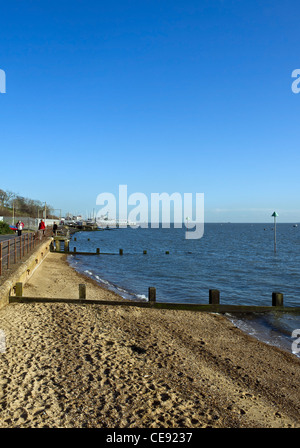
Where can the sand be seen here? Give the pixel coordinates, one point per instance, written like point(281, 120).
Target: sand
point(98, 366)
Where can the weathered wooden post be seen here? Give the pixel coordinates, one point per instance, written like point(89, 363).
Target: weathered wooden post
point(74, 250)
point(57, 245)
point(19, 289)
point(214, 297)
point(82, 291)
point(98, 251)
point(144, 252)
point(277, 299)
point(167, 252)
point(121, 251)
point(66, 248)
point(1, 258)
point(152, 294)
point(8, 253)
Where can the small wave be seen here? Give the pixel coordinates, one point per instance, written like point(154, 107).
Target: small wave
point(120, 291)
point(261, 329)
point(142, 297)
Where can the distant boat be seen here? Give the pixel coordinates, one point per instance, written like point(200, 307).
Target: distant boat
point(103, 222)
point(295, 225)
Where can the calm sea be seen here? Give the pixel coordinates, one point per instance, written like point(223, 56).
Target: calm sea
point(237, 259)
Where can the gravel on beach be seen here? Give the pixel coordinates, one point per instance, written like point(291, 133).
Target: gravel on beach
point(101, 366)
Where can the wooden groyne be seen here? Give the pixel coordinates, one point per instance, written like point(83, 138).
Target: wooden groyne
point(213, 306)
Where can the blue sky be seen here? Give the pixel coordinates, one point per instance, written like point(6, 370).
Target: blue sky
point(161, 96)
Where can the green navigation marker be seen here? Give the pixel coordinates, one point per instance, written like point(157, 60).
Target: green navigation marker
point(274, 215)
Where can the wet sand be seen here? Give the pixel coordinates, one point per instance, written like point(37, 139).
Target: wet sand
point(98, 366)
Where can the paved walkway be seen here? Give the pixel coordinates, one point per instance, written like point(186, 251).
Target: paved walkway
point(8, 237)
point(17, 254)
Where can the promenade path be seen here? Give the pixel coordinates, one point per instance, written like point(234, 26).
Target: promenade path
point(15, 250)
point(8, 237)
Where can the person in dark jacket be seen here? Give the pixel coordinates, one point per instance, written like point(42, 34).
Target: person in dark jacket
point(54, 229)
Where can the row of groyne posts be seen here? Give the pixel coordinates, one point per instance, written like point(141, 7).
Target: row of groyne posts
point(64, 240)
point(214, 304)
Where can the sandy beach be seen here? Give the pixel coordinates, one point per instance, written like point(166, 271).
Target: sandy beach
point(98, 366)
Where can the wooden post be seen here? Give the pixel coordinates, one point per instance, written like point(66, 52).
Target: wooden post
point(144, 252)
point(214, 297)
point(82, 291)
point(277, 299)
point(27, 242)
point(1, 258)
point(19, 289)
point(121, 251)
point(152, 294)
point(57, 245)
point(8, 253)
point(15, 250)
point(98, 251)
point(66, 248)
point(167, 252)
point(20, 239)
point(74, 250)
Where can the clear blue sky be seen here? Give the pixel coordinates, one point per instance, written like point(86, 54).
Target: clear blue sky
point(163, 96)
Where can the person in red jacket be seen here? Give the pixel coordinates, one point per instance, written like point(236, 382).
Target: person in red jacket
point(42, 226)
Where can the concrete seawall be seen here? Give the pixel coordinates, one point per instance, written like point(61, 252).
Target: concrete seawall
point(24, 272)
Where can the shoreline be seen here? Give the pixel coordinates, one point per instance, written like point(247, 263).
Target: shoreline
point(240, 320)
point(106, 366)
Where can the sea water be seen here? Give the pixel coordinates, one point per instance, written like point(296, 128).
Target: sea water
point(237, 259)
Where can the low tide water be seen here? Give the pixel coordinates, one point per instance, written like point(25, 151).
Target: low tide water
point(237, 259)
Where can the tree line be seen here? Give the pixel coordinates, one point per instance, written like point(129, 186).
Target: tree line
point(11, 202)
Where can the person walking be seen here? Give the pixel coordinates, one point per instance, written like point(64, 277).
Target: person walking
point(54, 229)
point(42, 227)
point(20, 227)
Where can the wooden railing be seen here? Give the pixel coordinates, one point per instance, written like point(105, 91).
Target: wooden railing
point(14, 249)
